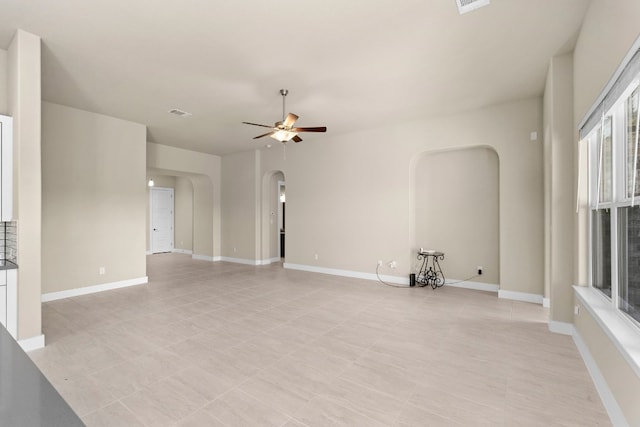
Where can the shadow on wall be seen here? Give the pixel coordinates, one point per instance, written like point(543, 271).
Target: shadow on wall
point(456, 207)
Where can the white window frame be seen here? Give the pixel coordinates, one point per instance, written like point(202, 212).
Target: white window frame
point(619, 197)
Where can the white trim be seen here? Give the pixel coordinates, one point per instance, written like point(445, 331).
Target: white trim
point(204, 258)
point(33, 343)
point(521, 296)
point(608, 400)
point(241, 260)
point(268, 261)
point(182, 251)
point(467, 284)
point(52, 296)
point(249, 261)
point(347, 273)
point(546, 302)
point(563, 328)
point(148, 253)
point(624, 335)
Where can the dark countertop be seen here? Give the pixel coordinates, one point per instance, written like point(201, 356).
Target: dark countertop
point(7, 265)
point(27, 398)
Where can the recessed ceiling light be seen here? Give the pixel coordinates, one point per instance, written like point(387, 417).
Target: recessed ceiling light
point(179, 113)
point(465, 6)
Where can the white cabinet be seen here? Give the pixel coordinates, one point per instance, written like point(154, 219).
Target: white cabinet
point(6, 168)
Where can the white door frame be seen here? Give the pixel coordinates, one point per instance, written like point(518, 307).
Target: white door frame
point(173, 217)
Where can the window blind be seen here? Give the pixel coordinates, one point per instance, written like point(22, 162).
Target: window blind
point(628, 70)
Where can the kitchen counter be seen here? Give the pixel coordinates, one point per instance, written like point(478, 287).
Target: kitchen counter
point(27, 398)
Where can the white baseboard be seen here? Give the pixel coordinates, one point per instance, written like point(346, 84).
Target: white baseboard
point(347, 273)
point(268, 261)
point(182, 251)
point(204, 258)
point(241, 260)
point(563, 328)
point(52, 296)
point(521, 296)
point(33, 343)
point(546, 302)
point(478, 286)
point(249, 261)
point(608, 400)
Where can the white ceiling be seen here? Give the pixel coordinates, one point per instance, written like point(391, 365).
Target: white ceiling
point(348, 64)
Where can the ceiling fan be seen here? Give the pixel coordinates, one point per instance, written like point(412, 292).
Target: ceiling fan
point(284, 131)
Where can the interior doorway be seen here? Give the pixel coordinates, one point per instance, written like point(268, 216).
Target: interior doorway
point(282, 198)
point(273, 235)
point(162, 219)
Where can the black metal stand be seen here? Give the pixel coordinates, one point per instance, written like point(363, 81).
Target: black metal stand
point(430, 272)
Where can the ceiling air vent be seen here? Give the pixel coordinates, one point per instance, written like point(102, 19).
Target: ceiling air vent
point(179, 113)
point(465, 6)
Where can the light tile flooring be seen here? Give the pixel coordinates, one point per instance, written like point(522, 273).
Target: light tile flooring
point(219, 344)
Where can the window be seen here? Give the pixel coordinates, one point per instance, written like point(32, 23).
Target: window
point(614, 171)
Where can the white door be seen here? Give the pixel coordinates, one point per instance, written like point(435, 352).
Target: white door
point(161, 220)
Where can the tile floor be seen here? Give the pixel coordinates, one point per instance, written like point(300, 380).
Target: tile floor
point(219, 344)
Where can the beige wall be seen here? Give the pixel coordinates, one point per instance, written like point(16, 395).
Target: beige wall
point(94, 192)
point(559, 184)
point(459, 215)
point(204, 172)
point(350, 197)
point(184, 214)
point(24, 76)
point(4, 94)
point(240, 204)
point(623, 382)
point(608, 32)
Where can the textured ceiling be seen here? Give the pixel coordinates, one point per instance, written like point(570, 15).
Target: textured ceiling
point(348, 65)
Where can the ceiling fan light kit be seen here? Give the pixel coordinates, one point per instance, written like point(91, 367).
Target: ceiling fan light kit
point(284, 131)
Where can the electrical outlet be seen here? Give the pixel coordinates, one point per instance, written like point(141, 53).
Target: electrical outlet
point(102, 270)
point(480, 270)
point(379, 263)
point(316, 257)
point(576, 310)
point(393, 264)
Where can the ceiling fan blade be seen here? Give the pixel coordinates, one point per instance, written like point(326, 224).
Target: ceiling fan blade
point(257, 124)
point(263, 135)
point(296, 139)
point(290, 120)
point(311, 129)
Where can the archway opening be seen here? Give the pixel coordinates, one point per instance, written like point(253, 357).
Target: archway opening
point(457, 211)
